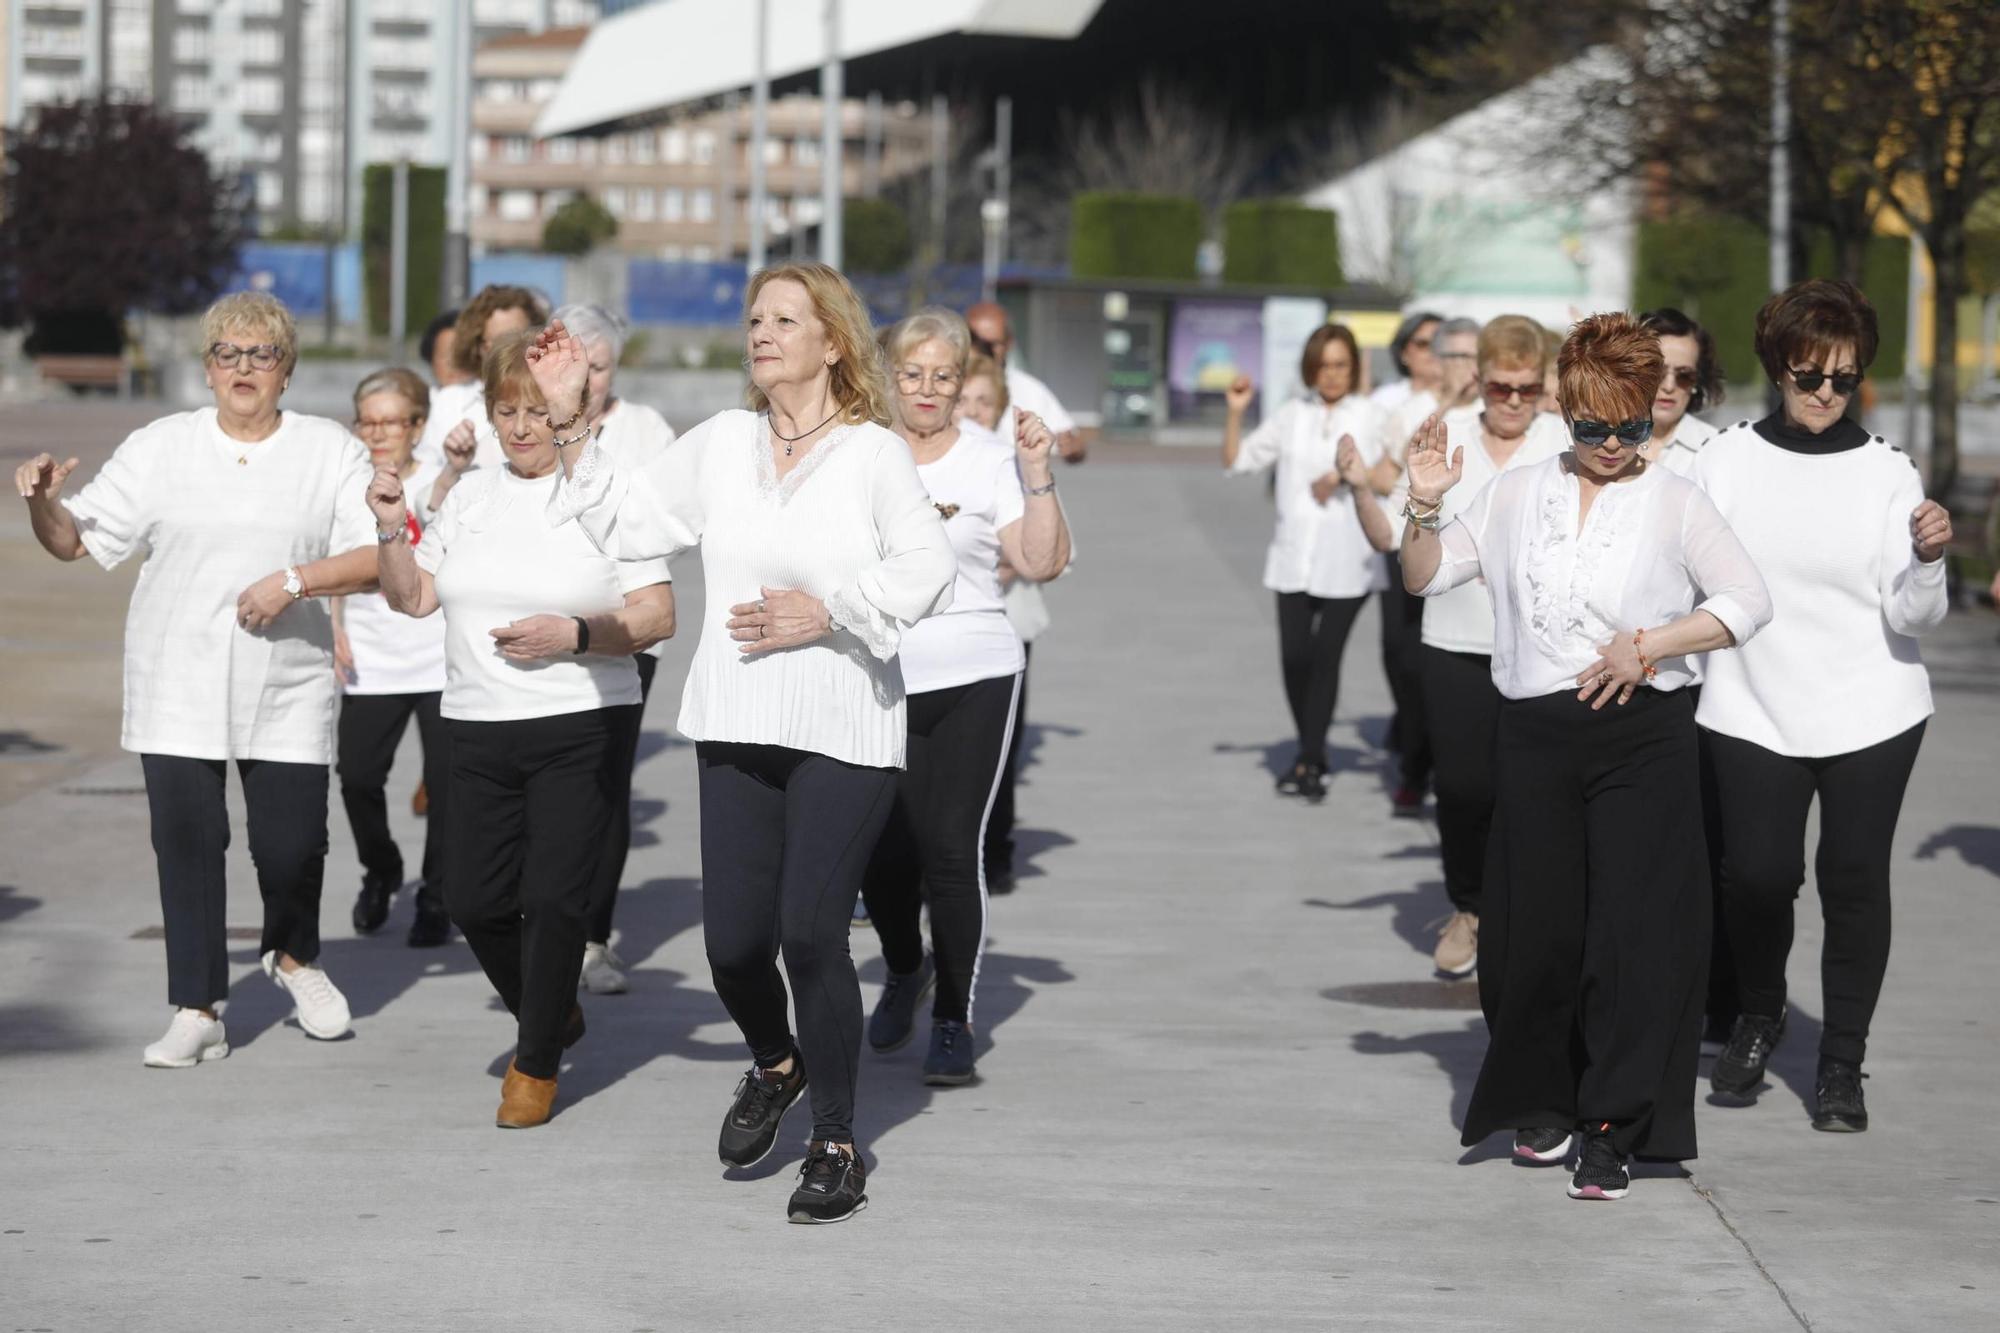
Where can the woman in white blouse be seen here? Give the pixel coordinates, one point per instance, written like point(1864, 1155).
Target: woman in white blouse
point(1320, 563)
point(1692, 383)
point(392, 671)
point(962, 671)
point(1597, 910)
point(245, 516)
point(458, 418)
point(820, 549)
point(1832, 703)
point(540, 628)
point(633, 434)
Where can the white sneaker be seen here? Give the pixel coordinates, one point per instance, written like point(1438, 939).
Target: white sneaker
point(603, 970)
point(318, 1004)
point(191, 1038)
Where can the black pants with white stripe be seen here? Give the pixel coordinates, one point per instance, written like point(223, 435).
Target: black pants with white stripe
point(931, 847)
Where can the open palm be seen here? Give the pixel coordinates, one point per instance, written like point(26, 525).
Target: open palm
point(561, 368)
point(1434, 467)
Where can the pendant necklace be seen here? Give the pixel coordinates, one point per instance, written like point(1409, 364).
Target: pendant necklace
point(790, 440)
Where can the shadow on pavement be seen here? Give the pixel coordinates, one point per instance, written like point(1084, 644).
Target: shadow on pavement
point(1456, 1051)
point(1032, 734)
point(36, 1029)
point(15, 903)
point(1976, 844)
point(1420, 911)
point(1279, 756)
point(1030, 843)
point(646, 810)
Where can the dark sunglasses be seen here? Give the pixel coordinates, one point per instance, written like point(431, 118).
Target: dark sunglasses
point(1631, 434)
point(1500, 393)
point(1810, 380)
point(1685, 377)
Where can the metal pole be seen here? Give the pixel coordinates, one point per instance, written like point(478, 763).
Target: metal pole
point(399, 256)
point(457, 277)
point(940, 150)
point(830, 96)
point(1781, 134)
point(760, 134)
point(336, 200)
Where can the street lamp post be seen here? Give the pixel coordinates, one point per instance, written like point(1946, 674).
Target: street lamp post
point(760, 133)
point(831, 95)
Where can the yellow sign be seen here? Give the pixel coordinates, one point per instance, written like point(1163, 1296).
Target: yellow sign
point(1372, 328)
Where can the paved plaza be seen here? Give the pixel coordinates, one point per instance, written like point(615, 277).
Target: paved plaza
point(1219, 1084)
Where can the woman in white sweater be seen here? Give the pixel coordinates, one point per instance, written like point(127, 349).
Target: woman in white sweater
point(1831, 704)
point(1605, 572)
point(820, 548)
point(245, 516)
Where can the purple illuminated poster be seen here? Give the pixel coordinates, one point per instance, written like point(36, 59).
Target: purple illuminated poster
point(1213, 342)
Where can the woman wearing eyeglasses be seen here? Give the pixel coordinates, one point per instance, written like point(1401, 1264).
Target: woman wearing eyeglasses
point(1320, 563)
point(1498, 433)
point(1832, 702)
point(1605, 572)
point(1692, 383)
point(245, 516)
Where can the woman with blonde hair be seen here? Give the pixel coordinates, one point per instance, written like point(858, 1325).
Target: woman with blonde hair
point(820, 550)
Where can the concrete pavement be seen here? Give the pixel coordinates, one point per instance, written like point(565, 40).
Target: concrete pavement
point(1219, 1089)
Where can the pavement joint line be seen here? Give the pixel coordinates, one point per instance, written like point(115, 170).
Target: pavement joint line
point(1702, 1192)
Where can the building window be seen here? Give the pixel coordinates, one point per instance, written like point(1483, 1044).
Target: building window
point(586, 150)
point(674, 145)
point(671, 253)
point(190, 43)
point(642, 205)
point(673, 204)
point(262, 46)
point(517, 205)
point(644, 147)
point(701, 205)
point(270, 190)
point(614, 150)
point(516, 148)
point(614, 201)
point(481, 200)
point(261, 95)
point(805, 151)
point(704, 146)
point(190, 92)
point(774, 152)
point(480, 147)
point(560, 150)
point(701, 254)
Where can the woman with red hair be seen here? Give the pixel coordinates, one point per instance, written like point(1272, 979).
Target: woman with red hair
point(1605, 572)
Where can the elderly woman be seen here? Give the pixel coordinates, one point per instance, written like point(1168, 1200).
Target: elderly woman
point(962, 670)
point(633, 434)
point(1496, 434)
point(459, 420)
point(1832, 703)
point(540, 628)
point(1413, 349)
point(392, 670)
point(1692, 383)
point(1605, 573)
point(820, 549)
point(1320, 565)
point(246, 515)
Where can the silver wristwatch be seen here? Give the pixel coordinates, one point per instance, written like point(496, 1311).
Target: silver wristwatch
point(295, 584)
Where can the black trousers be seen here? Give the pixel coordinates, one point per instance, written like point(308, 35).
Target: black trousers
point(1462, 710)
point(1402, 663)
point(1764, 799)
point(785, 841)
point(285, 807)
point(530, 802)
point(1000, 824)
point(931, 845)
point(1594, 940)
point(618, 833)
point(371, 727)
point(1312, 635)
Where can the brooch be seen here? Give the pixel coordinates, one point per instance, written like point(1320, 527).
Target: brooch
point(944, 511)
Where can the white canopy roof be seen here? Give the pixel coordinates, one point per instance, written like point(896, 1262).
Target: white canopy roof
point(676, 51)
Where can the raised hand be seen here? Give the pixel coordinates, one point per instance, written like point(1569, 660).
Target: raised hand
point(460, 445)
point(40, 479)
point(1432, 473)
point(1239, 394)
point(385, 500)
point(781, 618)
point(1930, 530)
point(1034, 447)
point(561, 369)
point(1347, 463)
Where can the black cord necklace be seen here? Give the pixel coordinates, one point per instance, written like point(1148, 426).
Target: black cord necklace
point(791, 440)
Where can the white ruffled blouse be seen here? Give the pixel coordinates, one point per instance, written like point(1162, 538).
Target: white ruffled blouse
point(1652, 549)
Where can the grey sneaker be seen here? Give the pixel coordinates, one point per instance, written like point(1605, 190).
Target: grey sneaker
point(894, 1021)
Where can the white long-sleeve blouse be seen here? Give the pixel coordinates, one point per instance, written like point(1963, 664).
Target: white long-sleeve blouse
point(1649, 549)
point(1317, 548)
point(851, 524)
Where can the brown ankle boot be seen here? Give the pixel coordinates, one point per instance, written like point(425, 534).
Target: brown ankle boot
point(525, 1102)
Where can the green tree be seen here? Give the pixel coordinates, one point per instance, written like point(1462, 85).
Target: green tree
point(579, 226)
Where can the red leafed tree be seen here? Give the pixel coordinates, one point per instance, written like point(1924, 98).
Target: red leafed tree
point(107, 207)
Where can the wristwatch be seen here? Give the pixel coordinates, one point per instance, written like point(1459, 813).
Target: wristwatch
point(295, 584)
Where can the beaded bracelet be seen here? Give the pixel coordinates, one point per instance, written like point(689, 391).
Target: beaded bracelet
point(1639, 651)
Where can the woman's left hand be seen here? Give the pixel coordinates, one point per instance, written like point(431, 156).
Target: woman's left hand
point(262, 602)
point(1617, 671)
point(1034, 448)
point(561, 369)
point(1930, 530)
point(1347, 463)
point(782, 618)
point(536, 638)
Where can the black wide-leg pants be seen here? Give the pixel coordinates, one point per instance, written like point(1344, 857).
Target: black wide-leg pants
point(1462, 710)
point(371, 726)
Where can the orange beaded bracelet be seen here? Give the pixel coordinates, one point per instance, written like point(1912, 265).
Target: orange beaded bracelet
point(1639, 650)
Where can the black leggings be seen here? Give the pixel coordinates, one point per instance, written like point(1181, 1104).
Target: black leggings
point(618, 833)
point(1462, 709)
point(1764, 798)
point(530, 801)
point(1000, 824)
point(1402, 663)
point(931, 846)
point(285, 807)
point(1312, 635)
point(371, 727)
point(785, 840)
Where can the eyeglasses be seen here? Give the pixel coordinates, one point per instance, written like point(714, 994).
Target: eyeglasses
point(1810, 380)
point(264, 356)
point(1419, 343)
point(1455, 356)
point(1631, 434)
point(1685, 377)
point(911, 380)
point(1496, 392)
point(378, 425)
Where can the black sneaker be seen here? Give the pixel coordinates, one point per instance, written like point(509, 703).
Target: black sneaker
point(833, 1185)
point(999, 880)
point(1601, 1172)
point(1841, 1108)
point(1740, 1068)
point(762, 1098)
point(430, 928)
point(1289, 781)
point(1542, 1146)
point(1407, 803)
point(949, 1063)
point(1312, 784)
point(371, 907)
point(894, 1021)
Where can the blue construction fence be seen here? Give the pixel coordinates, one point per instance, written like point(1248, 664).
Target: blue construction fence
point(658, 291)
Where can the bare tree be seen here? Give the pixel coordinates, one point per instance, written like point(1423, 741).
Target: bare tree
point(1161, 142)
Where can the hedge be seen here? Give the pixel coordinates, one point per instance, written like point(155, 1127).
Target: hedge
point(1134, 236)
point(1281, 242)
point(875, 236)
point(423, 289)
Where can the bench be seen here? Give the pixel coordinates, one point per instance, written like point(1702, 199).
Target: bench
point(83, 372)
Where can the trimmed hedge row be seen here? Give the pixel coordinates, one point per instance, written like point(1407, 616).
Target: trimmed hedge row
point(1113, 235)
point(1281, 242)
point(426, 244)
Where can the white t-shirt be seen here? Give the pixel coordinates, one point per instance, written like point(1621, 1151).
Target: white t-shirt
point(977, 491)
point(1025, 393)
point(210, 516)
point(1317, 548)
point(394, 653)
point(1461, 621)
point(1839, 670)
point(450, 405)
point(634, 435)
point(497, 559)
point(1649, 547)
point(1390, 396)
point(1686, 446)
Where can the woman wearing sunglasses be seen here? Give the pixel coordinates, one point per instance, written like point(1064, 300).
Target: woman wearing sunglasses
point(1692, 383)
point(1832, 703)
point(1605, 572)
